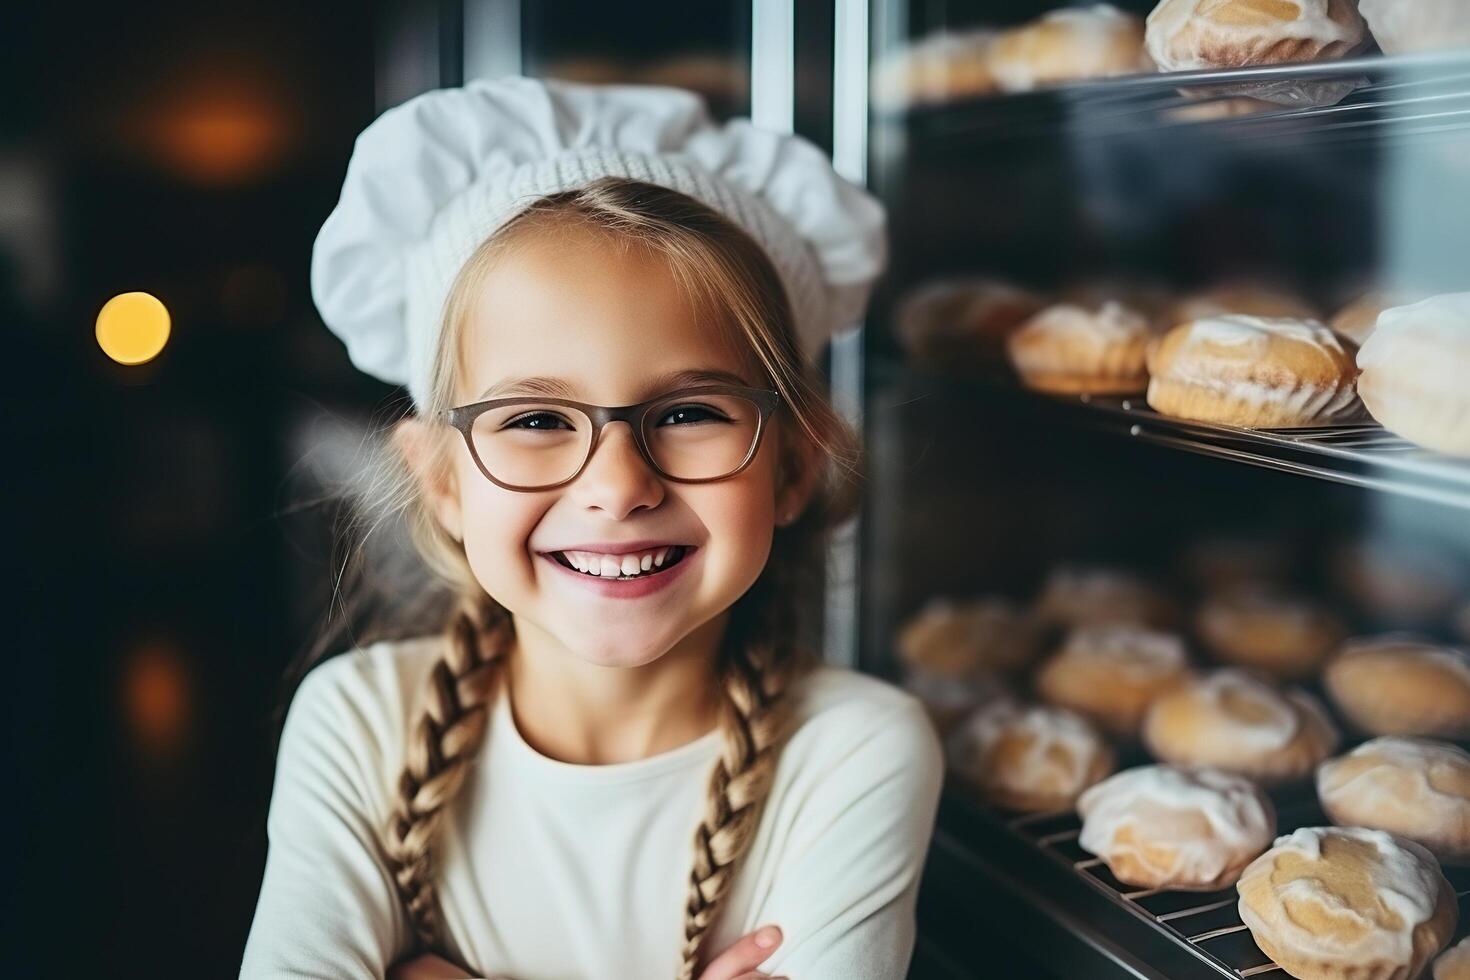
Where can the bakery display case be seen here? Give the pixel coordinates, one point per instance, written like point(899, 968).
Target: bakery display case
point(1167, 407)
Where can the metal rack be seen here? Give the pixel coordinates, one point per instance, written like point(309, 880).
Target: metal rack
point(1205, 923)
point(1378, 96)
point(1362, 454)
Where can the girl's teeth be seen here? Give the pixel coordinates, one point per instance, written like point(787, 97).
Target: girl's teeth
point(615, 566)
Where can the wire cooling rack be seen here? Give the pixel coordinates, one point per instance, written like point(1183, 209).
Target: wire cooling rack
point(1206, 923)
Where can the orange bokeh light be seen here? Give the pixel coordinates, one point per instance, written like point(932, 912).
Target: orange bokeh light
point(157, 698)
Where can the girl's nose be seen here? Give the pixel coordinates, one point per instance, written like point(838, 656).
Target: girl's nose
point(617, 479)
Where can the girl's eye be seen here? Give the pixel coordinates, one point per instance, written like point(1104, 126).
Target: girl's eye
point(690, 414)
point(537, 422)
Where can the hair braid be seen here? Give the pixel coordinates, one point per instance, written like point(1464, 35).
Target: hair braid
point(449, 733)
point(755, 721)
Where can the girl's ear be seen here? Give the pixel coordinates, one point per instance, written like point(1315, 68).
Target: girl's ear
point(418, 441)
point(797, 476)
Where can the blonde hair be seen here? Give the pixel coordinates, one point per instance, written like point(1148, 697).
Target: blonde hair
point(732, 283)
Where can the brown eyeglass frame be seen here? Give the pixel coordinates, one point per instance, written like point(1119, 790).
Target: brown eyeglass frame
point(463, 418)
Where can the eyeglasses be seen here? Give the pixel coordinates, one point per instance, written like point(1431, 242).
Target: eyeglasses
point(692, 435)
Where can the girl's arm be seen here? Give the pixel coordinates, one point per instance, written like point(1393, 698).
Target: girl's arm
point(327, 905)
point(846, 891)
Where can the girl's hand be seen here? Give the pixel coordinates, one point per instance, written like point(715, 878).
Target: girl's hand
point(739, 962)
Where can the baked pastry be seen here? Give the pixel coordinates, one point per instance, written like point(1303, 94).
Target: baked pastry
point(1454, 964)
point(1357, 320)
point(1414, 369)
point(1109, 674)
point(1404, 583)
point(1029, 758)
point(1183, 829)
point(939, 67)
point(1067, 45)
point(959, 638)
point(1087, 596)
point(949, 699)
point(1273, 631)
point(1400, 685)
point(1070, 350)
point(1234, 721)
point(1400, 26)
point(963, 321)
point(1243, 298)
point(1410, 787)
point(1252, 371)
point(1196, 35)
point(1347, 902)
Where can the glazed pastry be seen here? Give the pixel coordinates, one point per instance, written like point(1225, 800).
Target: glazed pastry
point(1234, 721)
point(1182, 829)
point(963, 321)
point(1347, 902)
point(940, 67)
point(1252, 371)
point(1029, 757)
point(950, 699)
point(1414, 369)
point(1398, 581)
point(1242, 298)
point(1067, 45)
point(1400, 685)
point(1357, 320)
point(1083, 596)
point(1455, 963)
point(1197, 35)
point(1410, 787)
point(959, 638)
point(1070, 350)
point(1401, 26)
point(1109, 674)
point(1272, 631)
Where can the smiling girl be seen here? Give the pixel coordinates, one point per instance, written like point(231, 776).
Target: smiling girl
point(616, 758)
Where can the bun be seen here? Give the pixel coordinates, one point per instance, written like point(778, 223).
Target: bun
point(1272, 631)
point(1233, 721)
point(1346, 902)
point(1400, 685)
point(1192, 35)
point(1455, 963)
point(1028, 758)
point(940, 67)
point(1414, 369)
point(1086, 596)
point(1252, 371)
point(1412, 788)
point(962, 322)
point(1109, 674)
point(1070, 44)
point(1183, 829)
point(1069, 350)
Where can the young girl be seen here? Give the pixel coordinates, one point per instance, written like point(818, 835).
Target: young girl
point(605, 308)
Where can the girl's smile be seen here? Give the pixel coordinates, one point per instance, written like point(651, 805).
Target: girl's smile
point(618, 574)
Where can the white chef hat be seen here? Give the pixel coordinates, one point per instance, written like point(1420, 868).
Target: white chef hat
point(430, 179)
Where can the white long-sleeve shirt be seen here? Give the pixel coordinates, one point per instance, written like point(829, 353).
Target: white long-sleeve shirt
point(553, 871)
